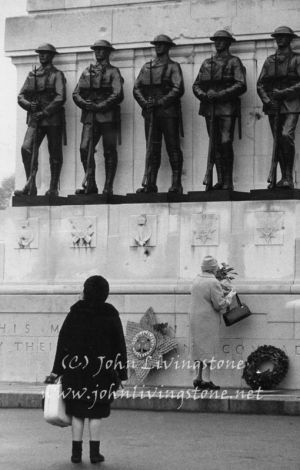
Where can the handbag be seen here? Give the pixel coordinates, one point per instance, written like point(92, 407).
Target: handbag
point(55, 407)
point(237, 313)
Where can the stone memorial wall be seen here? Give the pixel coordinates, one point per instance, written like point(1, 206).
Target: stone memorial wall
point(46, 252)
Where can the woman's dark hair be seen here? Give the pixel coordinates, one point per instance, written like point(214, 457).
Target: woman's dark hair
point(95, 289)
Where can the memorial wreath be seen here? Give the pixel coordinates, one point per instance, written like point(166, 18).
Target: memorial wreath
point(147, 342)
point(266, 379)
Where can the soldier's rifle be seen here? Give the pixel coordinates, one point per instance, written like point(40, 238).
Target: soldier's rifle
point(208, 179)
point(91, 137)
point(149, 152)
point(276, 131)
point(30, 185)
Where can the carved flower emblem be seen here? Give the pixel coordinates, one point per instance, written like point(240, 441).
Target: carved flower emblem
point(268, 233)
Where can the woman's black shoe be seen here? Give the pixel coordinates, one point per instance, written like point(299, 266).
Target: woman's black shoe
point(202, 385)
point(212, 386)
point(76, 451)
point(95, 456)
point(199, 384)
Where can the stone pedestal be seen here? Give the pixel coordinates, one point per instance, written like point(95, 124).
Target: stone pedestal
point(47, 253)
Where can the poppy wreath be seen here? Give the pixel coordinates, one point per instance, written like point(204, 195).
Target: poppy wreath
point(268, 379)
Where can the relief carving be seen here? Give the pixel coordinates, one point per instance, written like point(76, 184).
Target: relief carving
point(205, 229)
point(83, 232)
point(269, 228)
point(27, 234)
point(143, 230)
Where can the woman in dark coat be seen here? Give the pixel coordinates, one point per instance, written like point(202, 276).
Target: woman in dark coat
point(91, 357)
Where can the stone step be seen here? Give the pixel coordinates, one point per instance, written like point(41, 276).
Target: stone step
point(276, 402)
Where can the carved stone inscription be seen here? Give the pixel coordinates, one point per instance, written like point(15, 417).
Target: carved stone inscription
point(205, 229)
point(28, 334)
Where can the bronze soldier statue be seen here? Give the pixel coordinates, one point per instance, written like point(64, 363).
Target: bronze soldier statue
point(220, 82)
point(99, 93)
point(158, 89)
point(42, 96)
point(278, 87)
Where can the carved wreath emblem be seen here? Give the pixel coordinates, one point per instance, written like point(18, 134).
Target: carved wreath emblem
point(82, 233)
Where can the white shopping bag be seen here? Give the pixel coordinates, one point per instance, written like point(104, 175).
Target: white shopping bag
point(54, 406)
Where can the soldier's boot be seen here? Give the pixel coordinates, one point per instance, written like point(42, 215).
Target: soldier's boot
point(288, 151)
point(176, 186)
point(151, 186)
point(110, 172)
point(282, 183)
point(227, 158)
point(30, 188)
point(90, 186)
point(219, 170)
point(55, 169)
point(176, 165)
point(289, 175)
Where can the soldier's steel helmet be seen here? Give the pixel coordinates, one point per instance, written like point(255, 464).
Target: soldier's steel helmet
point(284, 30)
point(46, 48)
point(102, 44)
point(163, 38)
point(222, 33)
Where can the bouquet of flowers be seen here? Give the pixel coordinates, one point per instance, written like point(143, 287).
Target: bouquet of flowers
point(225, 275)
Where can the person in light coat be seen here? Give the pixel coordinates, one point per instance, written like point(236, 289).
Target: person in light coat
point(207, 300)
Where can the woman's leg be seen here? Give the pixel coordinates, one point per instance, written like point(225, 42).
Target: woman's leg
point(206, 372)
point(94, 429)
point(77, 428)
point(77, 432)
point(199, 370)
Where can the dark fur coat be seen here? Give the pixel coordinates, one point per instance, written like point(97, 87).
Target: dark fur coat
point(91, 353)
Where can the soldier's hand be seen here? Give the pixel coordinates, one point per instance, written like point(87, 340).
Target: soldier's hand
point(159, 103)
point(212, 95)
point(90, 106)
point(150, 104)
point(277, 94)
point(100, 108)
point(203, 97)
point(33, 107)
point(38, 116)
point(273, 105)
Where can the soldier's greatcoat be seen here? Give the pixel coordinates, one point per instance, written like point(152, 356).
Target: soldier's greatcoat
point(281, 71)
point(163, 81)
point(48, 88)
point(102, 84)
point(226, 75)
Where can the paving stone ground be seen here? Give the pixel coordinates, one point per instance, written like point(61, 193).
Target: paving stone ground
point(151, 440)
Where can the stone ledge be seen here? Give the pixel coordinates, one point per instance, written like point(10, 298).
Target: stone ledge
point(158, 286)
point(277, 402)
point(182, 19)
